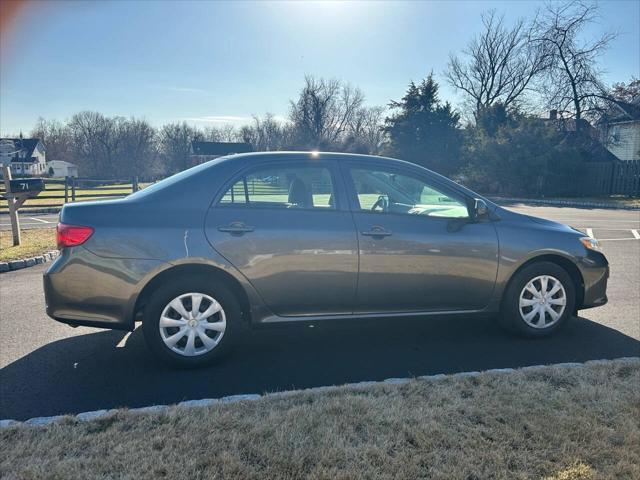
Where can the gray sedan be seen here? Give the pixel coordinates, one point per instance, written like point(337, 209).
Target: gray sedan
point(266, 238)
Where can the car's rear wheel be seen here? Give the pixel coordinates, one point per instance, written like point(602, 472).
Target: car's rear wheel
point(539, 300)
point(191, 321)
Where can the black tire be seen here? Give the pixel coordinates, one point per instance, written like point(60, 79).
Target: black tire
point(176, 287)
point(510, 316)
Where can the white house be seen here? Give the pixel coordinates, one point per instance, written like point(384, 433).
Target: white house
point(60, 168)
point(28, 157)
point(621, 129)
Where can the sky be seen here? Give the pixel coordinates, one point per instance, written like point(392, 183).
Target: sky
point(211, 63)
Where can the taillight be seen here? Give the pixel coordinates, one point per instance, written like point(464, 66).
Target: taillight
point(72, 235)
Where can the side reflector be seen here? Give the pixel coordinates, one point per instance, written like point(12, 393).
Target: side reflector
point(72, 235)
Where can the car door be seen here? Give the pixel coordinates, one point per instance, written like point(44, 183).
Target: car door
point(287, 228)
point(419, 249)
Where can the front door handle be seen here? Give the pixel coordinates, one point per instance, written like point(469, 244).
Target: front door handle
point(236, 228)
point(377, 231)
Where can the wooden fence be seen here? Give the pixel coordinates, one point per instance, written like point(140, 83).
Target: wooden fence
point(619, 178)
point(57, 192)
point(625, 179)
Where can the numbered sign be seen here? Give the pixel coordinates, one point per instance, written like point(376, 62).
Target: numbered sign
point(27, 185)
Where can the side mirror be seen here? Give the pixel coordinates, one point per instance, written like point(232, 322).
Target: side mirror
point(480, 210)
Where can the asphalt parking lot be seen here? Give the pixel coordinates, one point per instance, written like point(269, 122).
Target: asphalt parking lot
point(28, 221)
point(47, 368)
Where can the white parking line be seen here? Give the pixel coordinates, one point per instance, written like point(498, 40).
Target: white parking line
point(38, 219)
point(123, 341)
point(614, 229)
point(636, 235)
point(21, 224)
point(616, 239)
point(588, 220)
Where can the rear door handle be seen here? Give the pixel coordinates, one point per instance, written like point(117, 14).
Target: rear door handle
point(236, 228)
point(377, 232)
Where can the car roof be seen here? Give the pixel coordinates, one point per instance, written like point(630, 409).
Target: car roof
point(307, 155)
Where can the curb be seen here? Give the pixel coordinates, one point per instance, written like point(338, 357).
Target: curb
point(98, 414)
point(564, 203)
point(19, 264)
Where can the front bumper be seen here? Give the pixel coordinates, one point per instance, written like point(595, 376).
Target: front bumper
point(595, 273)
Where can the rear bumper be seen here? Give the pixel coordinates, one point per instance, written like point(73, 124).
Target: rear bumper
point(83, 289)
point(595, 273)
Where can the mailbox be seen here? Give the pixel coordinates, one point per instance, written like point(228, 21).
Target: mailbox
point(27, 185)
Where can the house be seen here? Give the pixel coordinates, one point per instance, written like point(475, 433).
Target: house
point(620, 129)
point(27, 156)
point(60, 168)
point(585, 136)
point(204, 151)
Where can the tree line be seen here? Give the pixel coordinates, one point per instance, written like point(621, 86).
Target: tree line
point(496, 141)
point(327, 115)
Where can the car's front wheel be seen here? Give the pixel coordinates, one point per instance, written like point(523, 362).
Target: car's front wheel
point(539, 300)
point(191, 321)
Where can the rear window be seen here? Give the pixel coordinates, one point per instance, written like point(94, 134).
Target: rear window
point(173, 179)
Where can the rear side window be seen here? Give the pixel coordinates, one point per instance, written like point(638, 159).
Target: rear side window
point(302, 187)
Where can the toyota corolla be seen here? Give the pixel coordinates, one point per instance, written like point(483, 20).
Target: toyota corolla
point(266, 238)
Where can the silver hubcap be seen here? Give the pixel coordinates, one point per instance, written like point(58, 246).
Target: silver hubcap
point(192, 324)
point(542, 301)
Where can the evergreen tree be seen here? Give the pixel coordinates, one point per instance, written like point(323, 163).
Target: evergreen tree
point(424, 130)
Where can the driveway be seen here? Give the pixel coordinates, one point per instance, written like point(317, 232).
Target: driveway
point(28, 221)
point(48, 368)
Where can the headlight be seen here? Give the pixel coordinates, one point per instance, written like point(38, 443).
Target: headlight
point(591, 244)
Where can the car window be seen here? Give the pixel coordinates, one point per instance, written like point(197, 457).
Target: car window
point(283, 187)
point(390, 192)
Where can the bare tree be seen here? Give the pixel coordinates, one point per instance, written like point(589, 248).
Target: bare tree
point(139, 153)
point(500, 66)
point(572, 85)
point(626, 92)
point(323, 111)
point(175, 146)
point(366, 131)
point(224, 133)
point(266, 134)
point(56, 137)
point(96, 142)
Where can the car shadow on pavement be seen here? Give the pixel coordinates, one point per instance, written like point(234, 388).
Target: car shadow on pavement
point(101, 370)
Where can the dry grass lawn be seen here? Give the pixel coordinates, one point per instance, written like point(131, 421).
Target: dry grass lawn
point(555, 423)
point(33, 242)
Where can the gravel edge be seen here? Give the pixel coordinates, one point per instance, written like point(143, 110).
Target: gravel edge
point(97, 414)
point(21, 263)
